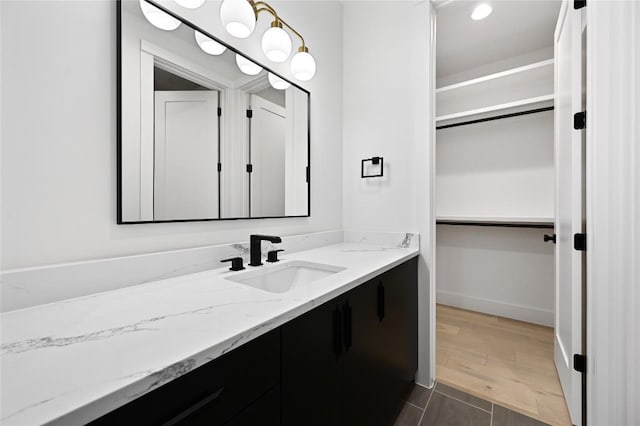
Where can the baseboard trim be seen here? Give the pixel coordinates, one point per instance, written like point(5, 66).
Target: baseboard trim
point(494, 307)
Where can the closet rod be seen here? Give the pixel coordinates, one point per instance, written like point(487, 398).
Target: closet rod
point(497, 224)
point(497, 117)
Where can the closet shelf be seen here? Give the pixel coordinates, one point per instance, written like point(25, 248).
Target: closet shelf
point(513, 222)
point(507, 73)
point(499, 107)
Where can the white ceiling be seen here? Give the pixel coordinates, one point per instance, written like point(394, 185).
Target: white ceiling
point(515, 27)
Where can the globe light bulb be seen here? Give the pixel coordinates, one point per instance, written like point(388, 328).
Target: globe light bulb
point(276, 43)
point(208, 45)
point(238, 17)
point(190, 4)
point(246, 66)
point(303, 66)
point(158, 18)
point(278, 83)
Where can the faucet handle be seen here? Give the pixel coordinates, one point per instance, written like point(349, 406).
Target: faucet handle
point(236, 263)
point(272, 256)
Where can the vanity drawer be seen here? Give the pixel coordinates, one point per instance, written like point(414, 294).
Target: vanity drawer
point(212, 394)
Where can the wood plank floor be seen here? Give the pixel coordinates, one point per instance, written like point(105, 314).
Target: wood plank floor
point(502, 360)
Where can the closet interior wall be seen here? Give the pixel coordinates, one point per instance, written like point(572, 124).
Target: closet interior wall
point(495, 188)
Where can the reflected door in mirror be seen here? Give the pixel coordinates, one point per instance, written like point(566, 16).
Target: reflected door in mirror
point(186, 155)
point(267, 158)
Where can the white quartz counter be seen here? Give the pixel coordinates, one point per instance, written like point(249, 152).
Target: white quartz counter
point(72, 361)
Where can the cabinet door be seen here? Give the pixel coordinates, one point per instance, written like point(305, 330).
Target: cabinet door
point(363, 361)
point(398, 294)
point(248, 373)
point(311, 376)
point(263, 412)
point(209, 395)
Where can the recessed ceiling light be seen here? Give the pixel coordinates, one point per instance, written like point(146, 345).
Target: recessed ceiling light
point(481, 11)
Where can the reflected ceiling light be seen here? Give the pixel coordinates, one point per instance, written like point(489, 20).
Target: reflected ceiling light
point(209, 45)
point(303, 66)
point(276, 43)
point(158, 18)
point(278, 83)
point(246, 66)
point(190, 4)
point(238, 17)
point(481, 11)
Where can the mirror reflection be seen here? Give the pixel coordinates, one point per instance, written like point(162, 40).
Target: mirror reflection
point(206, 133)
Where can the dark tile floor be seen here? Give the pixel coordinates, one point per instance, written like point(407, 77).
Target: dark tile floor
point(446, 406)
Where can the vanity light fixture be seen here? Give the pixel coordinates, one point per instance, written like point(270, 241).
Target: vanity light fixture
point(246, 66)
point(239, 19)
point(190, 4)
point(209, 45)
point(481, 11)
point(158, 18)
point(278, 83)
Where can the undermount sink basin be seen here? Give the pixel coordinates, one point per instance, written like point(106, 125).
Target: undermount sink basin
point(282, 277)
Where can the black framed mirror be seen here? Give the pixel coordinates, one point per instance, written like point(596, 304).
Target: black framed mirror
point(204, 131)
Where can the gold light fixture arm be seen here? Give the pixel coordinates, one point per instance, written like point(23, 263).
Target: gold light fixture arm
point(261, 6)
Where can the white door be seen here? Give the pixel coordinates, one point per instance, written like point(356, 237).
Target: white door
point(569, 217)
point(268, 130)
point(186, 155)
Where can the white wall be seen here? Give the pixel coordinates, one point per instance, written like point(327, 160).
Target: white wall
point(388, 112)
point(59, 133)
point(502, 168)
point(500, 271)
point(378, 114)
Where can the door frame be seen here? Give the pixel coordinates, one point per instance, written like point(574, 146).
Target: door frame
point(613, 209)
point(151, 56)
point(424, 214)
point(613, 235)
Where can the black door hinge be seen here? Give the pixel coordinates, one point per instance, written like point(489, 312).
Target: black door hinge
point(580, 242)
point(219, 112)
point(580, 120)
point(249, 168)
point(580, 363)
point(249, 113)
point(219, 167)
point(579, 4)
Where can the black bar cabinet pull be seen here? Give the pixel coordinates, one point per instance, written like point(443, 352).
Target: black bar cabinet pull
point(337, 332)
point(348, 336)
point(195, 407)
point(380, 301)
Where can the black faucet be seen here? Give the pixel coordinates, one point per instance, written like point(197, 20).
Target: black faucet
point(256, 249)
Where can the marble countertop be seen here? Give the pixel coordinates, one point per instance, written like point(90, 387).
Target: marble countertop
point(72, 361)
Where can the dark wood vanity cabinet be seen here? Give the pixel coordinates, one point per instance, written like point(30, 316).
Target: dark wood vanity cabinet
point(352, 360)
